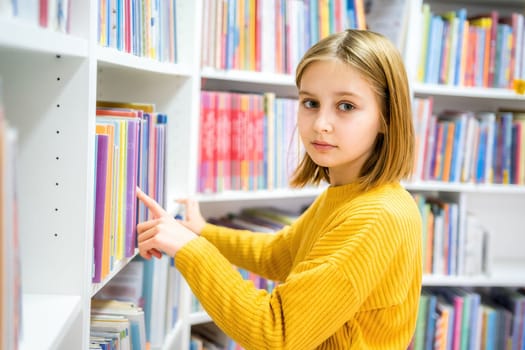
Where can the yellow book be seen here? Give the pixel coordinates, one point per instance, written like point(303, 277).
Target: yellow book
point(239, 56)
point(360, 14)
point(252, 38)
point(146, 107)
point(423, 55)
point(324, 23)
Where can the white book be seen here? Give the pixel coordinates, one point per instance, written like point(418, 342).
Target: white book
point(158, 302)
point(28, 11)
point(6, 10)
point(268, 32)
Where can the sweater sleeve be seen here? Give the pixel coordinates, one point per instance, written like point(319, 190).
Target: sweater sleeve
point(299, 314)
point(267, 255)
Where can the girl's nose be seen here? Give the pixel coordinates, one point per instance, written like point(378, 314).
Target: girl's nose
point(323, 122)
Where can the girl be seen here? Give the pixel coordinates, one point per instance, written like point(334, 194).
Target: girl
point(350, 266)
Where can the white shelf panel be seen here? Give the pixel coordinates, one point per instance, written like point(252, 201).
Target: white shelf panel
point(503, 274)
point(249, 77)
point(228, 196)
point(96, 287)
point(464, 187)
point(312, 192)
point(46, 319)
point(472, 92)
point(19, 35)
point(199, 318)
point(170, 341)
point(110, 57)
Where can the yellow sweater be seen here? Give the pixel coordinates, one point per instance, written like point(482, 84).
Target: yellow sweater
point(350, 268)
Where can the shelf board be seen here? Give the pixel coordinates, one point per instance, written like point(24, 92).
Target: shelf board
point(119, 265)
point(199, 317)
point(170, 340)
point(249, 77)
point(111, 57)
point(503, 273)
point(228, 196)
point(33, 38)
point(438, 186)
point(472, 92)
point(46, 318)
point(464, 187)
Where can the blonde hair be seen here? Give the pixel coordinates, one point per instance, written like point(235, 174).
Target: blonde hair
point(380, 63)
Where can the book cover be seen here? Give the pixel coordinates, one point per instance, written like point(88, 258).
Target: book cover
point(110, 212)
point(101, 170)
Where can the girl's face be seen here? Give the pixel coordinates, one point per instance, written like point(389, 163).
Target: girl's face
point(338, 118)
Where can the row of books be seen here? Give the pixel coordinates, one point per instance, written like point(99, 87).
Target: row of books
point(271, 35)
point(466, 318)
point(247, 141)
point(147, 291)
point(51, 14)
point(144, 28)
point(448, 249)
point(10, 263)
point(483, 50)
point(130, 151)
point(258, 219)
point(116, 325)
point(466, 146)
point(207, 336)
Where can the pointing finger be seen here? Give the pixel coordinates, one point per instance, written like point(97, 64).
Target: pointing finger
point(149, 202)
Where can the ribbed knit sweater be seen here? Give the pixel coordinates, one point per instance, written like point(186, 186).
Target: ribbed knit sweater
point(350, 268)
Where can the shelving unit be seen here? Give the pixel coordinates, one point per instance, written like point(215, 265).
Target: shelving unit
point(51, 84)
point(498, 206)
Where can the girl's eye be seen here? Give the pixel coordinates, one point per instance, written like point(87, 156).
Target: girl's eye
point(310, 104)
point(345, 107)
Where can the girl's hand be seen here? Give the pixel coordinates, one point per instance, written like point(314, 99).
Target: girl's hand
point(193, 218)
point(162, 233)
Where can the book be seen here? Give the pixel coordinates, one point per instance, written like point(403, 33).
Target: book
point(113, 328)
point(133, 313)
point(128, 180)
point(101, 171)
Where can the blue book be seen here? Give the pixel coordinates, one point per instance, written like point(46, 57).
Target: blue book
point(431, 322)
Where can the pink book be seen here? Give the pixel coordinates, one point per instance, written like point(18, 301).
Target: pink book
point(223, 140)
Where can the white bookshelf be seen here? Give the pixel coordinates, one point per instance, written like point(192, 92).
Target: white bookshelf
point(500, 207)
point(47, 320)
point(34, 39)
point(51, 84)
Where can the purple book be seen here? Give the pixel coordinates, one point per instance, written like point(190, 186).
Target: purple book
point(101, 167)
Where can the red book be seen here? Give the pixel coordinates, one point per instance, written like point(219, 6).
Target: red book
point(207, 175)
point(223, 140)
point(43, 13)
point(236, 138)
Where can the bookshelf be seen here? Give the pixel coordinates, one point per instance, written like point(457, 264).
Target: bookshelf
point(498, 206)
point(51, 83)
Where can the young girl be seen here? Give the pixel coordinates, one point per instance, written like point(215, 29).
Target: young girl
point(349, 269)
